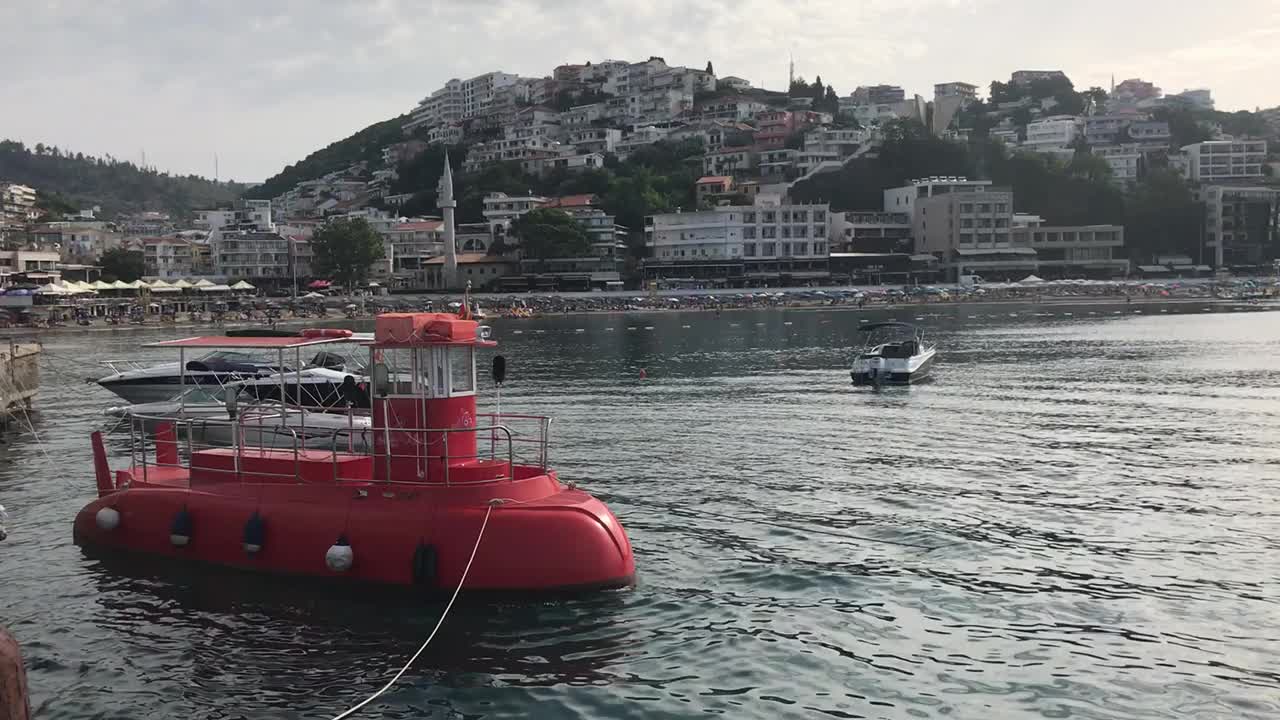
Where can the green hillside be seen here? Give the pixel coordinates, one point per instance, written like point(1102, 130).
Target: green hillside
point(119, 187)
point(365, 145)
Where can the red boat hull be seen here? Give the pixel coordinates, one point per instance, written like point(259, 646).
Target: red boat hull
point(540, 535)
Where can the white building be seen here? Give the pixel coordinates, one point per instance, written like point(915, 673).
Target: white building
point(581, 116)
point(500, 209)
point(733, 82)
point(1124, 160)
point(903, 199)
point(1052, 133)
point(252, 255)
point(570, 163)
point(640, 137)
point(460, 100)
point(739, 243)
point(1217, 160)
point(594, 139)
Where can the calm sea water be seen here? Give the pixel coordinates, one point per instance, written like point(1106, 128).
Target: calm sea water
point(1086, 511)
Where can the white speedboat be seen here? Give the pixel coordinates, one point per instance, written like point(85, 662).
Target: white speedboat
point(137, 383)
point(205, 420)
point(894, 353)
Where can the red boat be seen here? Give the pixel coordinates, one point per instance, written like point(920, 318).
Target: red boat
point(439, 483)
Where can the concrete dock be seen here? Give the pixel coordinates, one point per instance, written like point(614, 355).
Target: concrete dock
point(19, 375)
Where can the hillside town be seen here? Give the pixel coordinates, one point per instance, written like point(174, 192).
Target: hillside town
point(747, 221)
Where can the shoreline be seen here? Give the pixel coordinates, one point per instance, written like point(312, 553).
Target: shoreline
point(300, 323)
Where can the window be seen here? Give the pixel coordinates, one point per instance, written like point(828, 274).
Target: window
point(802, 248)
point(768, 232)
point(786, 249)
point(819, 216)
point(462, 377)
point(966, 238)
point(802, 231)
point(966, 223)
point(1002, 207)
point(819, 248)
point(748, 233)
point(769, 249)
point(820, 231)
point(786, 231)
point(984, 207)
point(786, 216)
point(966, 207)
point(748, 249)
point(749, 218)
point(770, 216)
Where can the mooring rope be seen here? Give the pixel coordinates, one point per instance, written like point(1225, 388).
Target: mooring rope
point(461, 581)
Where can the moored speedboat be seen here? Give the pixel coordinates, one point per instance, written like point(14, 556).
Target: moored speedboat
point(894, 353)
point(217, 368)
point(439, 482)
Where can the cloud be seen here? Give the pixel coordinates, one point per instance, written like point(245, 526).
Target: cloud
point(263, 84)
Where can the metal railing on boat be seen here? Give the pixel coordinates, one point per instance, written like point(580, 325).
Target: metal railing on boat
point(521, 442)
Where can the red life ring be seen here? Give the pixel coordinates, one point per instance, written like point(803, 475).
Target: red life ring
point(326, 333)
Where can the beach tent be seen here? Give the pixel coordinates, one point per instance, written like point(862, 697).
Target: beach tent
point(313, 296)
point(51, 289)
point(160, 286)
point(182, 284)
point(213, 288)
point(121, 285)
point(242, 285)
point(1032, 280)
point(202, 283)
point(99, 285)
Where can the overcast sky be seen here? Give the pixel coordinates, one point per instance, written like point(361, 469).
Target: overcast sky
point(264, 83)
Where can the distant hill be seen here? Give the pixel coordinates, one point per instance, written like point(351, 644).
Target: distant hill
point(365, 145)
point(119, 187)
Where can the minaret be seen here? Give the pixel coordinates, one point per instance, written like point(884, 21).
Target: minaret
point(447, 205)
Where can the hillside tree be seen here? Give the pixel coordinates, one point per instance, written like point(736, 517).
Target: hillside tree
point(345, 249)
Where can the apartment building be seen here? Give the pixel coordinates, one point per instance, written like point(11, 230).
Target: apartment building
point(1125, 161)
point(594, 139)
point(1052, 133)
point(740, 244)
point(964, 91)
point(871, 232)
point(570, 163)
point(903, 199)
point(640, 137)
point(17, 208)
point(1225, 160)
point(1026, 77)
point(1242, 223)
point(878, 95)
point(17, 262)
point(253, 255)
point(738, 162)
point(1074, 251)
point(170, 258)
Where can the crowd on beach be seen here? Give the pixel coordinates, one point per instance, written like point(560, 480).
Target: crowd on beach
point(270, 311)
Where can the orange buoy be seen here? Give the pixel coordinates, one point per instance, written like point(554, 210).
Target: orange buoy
point(14, 704)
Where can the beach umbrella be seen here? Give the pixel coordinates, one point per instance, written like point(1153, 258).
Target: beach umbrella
point(50, 289)
point(242, 285)
point(202, 283)
point(121, 285)
point(182, 284)
point(99, 285)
